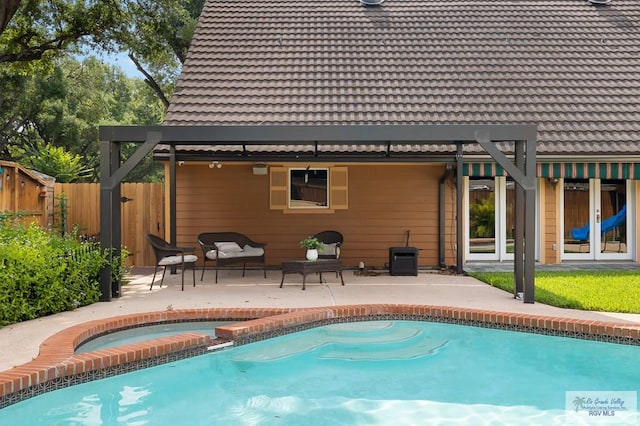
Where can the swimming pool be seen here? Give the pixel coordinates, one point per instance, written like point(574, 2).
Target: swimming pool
point(382, 372)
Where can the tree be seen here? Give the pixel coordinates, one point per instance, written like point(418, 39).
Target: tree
point(159, 38)
point(64, 109)
point(155, 33)
point(55, 161)
point(49, 99)
point(33, 30)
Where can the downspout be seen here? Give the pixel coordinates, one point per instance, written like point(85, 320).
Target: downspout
point(441, 216)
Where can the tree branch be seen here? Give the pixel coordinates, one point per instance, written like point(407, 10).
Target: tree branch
point(31, 53)
point(8, 8)
point(151, 82)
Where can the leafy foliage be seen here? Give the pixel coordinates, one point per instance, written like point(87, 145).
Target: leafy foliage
point(42, 273)
point(55, 120)
point(159, 38)
point(39, 30)
point(55, 161)
point(482, 216)
point(49, 98)
point(608, 291)
point(311, 243)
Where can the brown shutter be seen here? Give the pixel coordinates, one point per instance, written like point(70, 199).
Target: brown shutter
point(339, 188)
point(278, 188)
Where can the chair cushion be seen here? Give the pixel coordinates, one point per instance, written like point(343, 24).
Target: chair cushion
point(176, 260)
point(228, 246)
point(329, 249)
point(246, 251)
point(252, 251)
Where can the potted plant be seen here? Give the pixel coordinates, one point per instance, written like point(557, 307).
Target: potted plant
point(313, 246)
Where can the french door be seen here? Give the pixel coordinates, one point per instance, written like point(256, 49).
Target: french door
point(596, 219)
point(490, 218)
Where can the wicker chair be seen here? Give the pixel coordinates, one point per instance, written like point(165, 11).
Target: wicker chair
point(170, 255)
point(332, 241)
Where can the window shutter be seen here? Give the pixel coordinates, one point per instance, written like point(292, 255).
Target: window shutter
point(278, 188)
point(339, 189)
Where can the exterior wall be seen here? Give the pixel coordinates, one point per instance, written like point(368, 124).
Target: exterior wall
point(384, 201)
point(549, 222)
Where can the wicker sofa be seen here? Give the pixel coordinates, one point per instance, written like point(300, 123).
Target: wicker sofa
point(230, 248)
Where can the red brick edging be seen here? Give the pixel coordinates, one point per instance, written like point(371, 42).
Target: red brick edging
point(57, 359)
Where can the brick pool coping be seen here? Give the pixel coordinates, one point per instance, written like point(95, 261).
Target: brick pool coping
point(58, 366)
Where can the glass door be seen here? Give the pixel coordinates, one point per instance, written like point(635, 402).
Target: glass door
point(508, 217)
point(595, 219)
point(481, 219)
point(612, 218)
point(578, 219)
point(490, 218)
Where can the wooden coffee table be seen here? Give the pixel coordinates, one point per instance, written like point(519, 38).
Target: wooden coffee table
point(305, 267)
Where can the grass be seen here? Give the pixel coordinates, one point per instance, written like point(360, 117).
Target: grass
point(607, 291)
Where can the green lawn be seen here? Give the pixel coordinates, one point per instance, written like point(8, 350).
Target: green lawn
point(610, 291)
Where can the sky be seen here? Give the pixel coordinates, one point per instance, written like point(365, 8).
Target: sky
point(123, 61)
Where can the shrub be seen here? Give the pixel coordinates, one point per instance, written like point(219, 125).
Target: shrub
point(42, 273)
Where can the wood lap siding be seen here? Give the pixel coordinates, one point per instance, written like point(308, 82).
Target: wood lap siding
point(384, 201)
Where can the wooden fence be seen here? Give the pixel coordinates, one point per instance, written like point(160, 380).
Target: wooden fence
point(143, 214)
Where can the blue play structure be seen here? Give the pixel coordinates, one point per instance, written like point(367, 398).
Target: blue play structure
point(582, 234)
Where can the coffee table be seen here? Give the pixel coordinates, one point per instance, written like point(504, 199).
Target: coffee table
point(305, 267)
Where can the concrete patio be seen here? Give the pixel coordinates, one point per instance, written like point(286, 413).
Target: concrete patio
point(19, 343)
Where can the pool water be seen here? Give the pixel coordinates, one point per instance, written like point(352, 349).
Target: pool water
point(367, 373)
point(139, 334)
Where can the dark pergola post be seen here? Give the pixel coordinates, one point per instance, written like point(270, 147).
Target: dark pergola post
point(527, 181)
point(172, 197)
point(111, 175)
point(530, 222)
point(106, 216)
point(459, 215)
point(116, 217)
point(518, 240)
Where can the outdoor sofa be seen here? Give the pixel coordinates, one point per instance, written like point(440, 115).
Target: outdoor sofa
point(230, 248)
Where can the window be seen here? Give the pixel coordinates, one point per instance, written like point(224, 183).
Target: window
point(308, 188)
point(319, 189)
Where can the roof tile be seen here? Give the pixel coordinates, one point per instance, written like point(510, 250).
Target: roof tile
point(571, 67)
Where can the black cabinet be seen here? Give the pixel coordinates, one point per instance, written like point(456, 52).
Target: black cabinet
point(403, 261)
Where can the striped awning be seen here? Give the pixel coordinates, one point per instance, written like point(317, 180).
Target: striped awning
point(562, 170)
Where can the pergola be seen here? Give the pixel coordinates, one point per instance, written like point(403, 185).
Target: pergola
point(521, 168)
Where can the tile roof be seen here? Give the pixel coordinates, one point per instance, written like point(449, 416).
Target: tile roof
point(569, 66)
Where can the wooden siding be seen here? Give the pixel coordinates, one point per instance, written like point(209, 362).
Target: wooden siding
point(384, 202)
point(144, 214)
point(22, 192)
point(550, 246)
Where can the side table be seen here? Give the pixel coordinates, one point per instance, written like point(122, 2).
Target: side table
point(305, 267)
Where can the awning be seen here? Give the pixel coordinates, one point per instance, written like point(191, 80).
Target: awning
point(562, 170)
